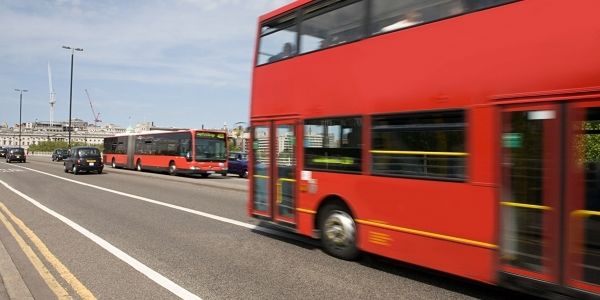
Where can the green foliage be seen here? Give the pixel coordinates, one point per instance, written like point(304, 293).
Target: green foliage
point(51, 145)
point(592, 141)
point(233, 148)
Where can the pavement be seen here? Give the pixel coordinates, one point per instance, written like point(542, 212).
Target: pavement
point(12, 286)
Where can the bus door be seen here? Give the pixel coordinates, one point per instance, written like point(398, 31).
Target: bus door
point(274, 170)
point(550, 194)
point(582, 260)
point(530, 208)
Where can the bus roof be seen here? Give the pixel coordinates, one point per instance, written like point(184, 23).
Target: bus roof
point(168, 131)
point(283, 9)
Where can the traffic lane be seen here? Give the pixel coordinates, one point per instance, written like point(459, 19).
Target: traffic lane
point(217, 260)
point(230, 181)
point(226, 203)
point(103, 274)
point(119, 181)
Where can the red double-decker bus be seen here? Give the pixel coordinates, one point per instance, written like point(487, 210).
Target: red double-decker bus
point(458, 135)
point(201, 152)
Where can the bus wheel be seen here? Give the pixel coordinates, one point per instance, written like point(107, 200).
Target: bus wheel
point(172, 168)
point(204, 175)
point(113, 164)
point(338, 232)
point(138, 165)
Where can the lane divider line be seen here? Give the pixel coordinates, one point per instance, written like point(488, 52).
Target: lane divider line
point(151, 274)
point(64, 272)
point(37, 263)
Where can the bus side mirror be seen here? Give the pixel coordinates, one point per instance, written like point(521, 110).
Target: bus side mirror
point(188, 156)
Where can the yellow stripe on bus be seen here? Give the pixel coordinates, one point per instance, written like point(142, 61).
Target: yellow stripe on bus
point(334, 160)
point(419, 153)
point(306, 211)
point(429, 234)
point(280, 188)
point(261, 176)
point(585, 213)
point(287, 179)
point(522, 205)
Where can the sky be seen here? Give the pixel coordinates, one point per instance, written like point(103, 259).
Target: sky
point(177, 63)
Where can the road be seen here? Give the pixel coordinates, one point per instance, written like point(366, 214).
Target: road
point(131, 235)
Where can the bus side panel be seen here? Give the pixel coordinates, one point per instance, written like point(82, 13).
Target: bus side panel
point(483, 144)
point(107, 158)
point(120, 159)
point(157, 161)
point(468, 261)
point(426, 218)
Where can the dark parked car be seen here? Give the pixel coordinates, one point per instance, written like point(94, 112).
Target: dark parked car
point(238, 164)
point(15, 154)
point(59, 154)
point(87, 159)
point(2, 152)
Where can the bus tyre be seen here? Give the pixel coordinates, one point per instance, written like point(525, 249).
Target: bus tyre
point(172, 168)
point(338, 232)
point(112, 163)
point(138, 165)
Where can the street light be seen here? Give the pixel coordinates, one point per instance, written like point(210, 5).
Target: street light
point(20, 110)
point(71, 92)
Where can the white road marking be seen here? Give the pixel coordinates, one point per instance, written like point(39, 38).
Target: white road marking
point(177, 207)
point(153, 275)
point(10, 170)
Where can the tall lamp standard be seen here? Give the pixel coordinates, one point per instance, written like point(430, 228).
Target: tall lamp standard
point(20, 110)
point(71, 92)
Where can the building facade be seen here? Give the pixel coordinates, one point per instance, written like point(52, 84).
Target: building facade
point(33, 133)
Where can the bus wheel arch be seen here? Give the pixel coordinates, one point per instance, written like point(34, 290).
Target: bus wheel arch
point(335, 221)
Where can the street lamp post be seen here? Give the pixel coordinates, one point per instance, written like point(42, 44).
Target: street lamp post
point(20, 111)
point(71, 89)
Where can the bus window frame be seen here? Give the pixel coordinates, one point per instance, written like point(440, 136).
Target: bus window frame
point(293, 22)
point(300, 16)
point(362, 142)
point(466, 132)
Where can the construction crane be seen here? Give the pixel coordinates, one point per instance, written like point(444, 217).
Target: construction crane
point(96, 116)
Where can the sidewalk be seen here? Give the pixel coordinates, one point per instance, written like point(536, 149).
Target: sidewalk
point(12, 284)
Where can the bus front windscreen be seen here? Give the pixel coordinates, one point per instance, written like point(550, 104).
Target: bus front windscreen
point(210, 146)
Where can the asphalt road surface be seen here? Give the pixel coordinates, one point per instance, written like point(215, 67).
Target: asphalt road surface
point(131, 235)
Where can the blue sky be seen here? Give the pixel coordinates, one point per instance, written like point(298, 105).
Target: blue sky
point(180, 63)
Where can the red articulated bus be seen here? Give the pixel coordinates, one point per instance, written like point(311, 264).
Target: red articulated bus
point(201, 152)
point(458, 135)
